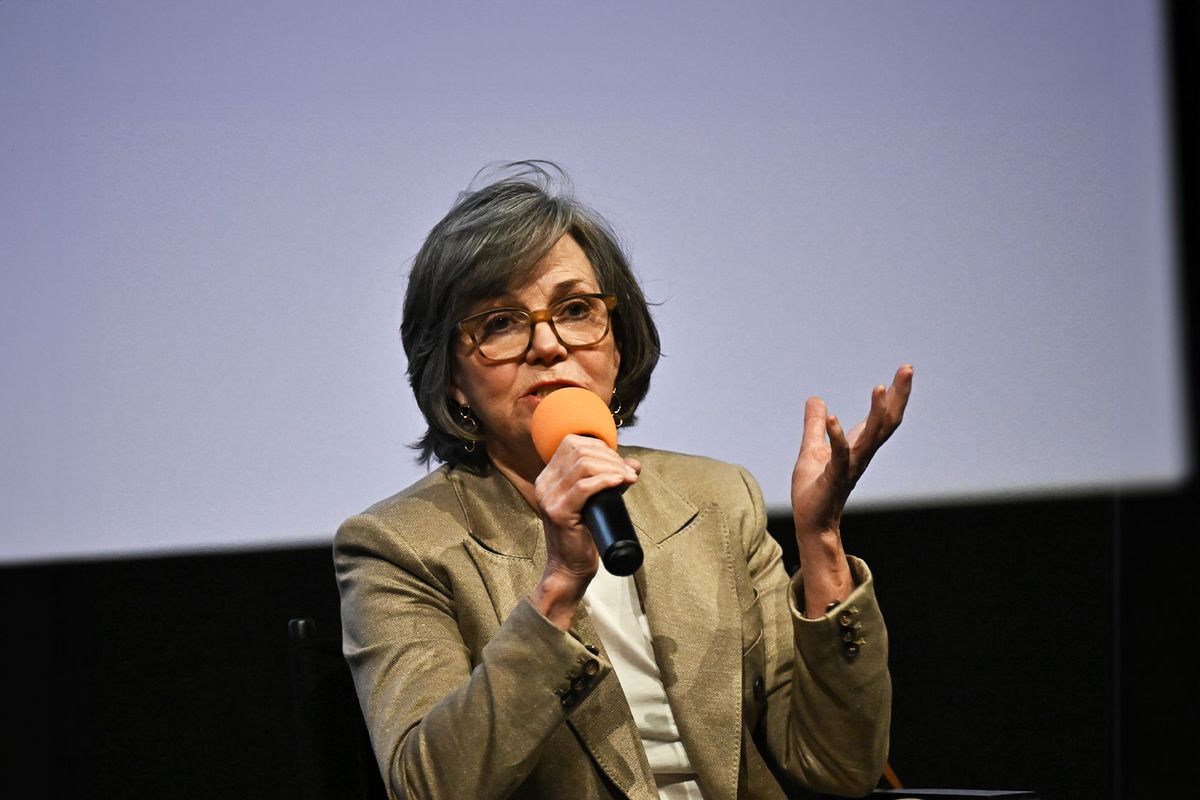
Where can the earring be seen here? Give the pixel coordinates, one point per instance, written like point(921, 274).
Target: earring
point(470, 424)
point(616, 412)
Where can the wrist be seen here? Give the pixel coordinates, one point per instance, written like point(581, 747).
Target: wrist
point(821, 548)
point(557, 597)
point(808, 531)
point(826, 578)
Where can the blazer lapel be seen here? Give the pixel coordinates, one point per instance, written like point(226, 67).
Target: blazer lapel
point(511, 552)
point(511, 556)
point(688, 592)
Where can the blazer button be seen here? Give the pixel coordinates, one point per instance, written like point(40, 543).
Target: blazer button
point(591, 648)
point(760, 689)
point(591, 667)
point(568, 699)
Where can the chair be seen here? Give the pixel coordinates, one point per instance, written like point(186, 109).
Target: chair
point(335, 760)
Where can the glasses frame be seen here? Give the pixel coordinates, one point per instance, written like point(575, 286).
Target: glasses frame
point(470, 325)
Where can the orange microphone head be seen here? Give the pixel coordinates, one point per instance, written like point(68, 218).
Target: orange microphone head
point(571, 410)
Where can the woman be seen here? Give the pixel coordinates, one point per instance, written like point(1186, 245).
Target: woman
point(493, 658)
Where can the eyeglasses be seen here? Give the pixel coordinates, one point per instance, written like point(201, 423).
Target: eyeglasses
point(506, 334)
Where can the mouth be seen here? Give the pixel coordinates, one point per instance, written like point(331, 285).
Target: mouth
point(540, 390)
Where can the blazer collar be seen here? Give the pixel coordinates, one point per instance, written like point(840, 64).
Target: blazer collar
point(501, 521)
point(657, 511)
point(497, 515)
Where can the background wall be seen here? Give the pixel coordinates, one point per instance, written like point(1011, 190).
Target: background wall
point(207, 211)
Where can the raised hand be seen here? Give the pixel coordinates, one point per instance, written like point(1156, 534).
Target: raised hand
point(831, 462)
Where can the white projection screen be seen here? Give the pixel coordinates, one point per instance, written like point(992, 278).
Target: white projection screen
point(207, 212)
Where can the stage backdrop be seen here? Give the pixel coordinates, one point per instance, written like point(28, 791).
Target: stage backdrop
point(207, 212)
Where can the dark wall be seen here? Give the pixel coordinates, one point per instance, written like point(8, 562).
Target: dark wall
point(168, 677)
point(164, 677)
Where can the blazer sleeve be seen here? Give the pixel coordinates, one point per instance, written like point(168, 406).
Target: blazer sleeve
point(442, 727)
point(827, 687)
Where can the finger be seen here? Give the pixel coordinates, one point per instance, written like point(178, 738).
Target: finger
point(596, 461)
point(576, 460)
point(875, 417)
point(864, 434)
point(893, 402)
point(575, 448)
point(814, 424)
point(591, 464)
point(575, 463)
point(887, 410)
point(562, 497)
point(839, 456)
point(582, 491)
point(899, 391)
point(576, 442)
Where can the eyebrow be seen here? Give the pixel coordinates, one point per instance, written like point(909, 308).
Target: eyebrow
point(564, 287)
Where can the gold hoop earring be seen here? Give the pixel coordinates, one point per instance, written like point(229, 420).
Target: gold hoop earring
point(616, 412)
point(470, 424)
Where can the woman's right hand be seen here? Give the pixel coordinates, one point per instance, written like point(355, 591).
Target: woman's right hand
point(581, 467)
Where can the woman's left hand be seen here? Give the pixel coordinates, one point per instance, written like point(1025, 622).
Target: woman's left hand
point(831, 462)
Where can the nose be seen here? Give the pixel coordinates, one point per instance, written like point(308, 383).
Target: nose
point(544, 346)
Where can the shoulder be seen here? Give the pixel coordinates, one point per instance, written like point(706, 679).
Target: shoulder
point(425, 516)
point(432, 493)
point(700, 479)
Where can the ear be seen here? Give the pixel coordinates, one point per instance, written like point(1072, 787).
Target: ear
point(453, 392)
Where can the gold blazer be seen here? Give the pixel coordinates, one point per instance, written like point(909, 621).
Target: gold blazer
point(469, 692)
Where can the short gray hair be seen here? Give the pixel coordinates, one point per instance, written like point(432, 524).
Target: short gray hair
point(489, 241)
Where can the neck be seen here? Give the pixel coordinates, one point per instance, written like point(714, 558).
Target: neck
point(521, 470)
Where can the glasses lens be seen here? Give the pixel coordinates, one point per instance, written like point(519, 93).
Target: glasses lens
point(579, 320)
point(503, 334)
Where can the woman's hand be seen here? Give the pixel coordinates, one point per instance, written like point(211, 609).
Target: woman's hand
point(581, 467)
point(827, 469)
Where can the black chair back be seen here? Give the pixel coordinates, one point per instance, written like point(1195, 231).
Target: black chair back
point(335, 760)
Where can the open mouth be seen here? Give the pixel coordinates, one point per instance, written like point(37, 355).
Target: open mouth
point(546, 388)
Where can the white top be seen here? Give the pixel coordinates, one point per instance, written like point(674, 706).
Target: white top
point(616, 611)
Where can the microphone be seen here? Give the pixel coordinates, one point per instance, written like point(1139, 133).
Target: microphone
point(579, 411)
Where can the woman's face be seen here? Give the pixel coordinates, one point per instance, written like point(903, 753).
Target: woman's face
point(503, 396)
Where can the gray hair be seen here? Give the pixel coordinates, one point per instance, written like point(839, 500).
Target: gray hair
point(488, 242)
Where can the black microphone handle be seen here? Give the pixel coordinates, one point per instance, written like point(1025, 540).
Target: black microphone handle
point(607, 518)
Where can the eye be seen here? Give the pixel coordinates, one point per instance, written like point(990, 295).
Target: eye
point(503, 323)
point(498, 323)
point(575, 308)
